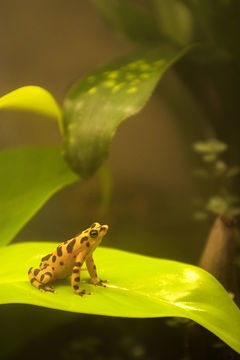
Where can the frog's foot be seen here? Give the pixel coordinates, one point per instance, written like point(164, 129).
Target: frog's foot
point(39, 279)
point(98, 282)
point(43, 288)
point(82, 292)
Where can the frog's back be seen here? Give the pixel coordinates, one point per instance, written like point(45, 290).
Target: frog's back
point(62, 259)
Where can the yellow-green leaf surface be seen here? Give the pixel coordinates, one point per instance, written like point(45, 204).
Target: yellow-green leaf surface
point(33, 99)
point(29, 176)
point(139, 286)
point(97, 104)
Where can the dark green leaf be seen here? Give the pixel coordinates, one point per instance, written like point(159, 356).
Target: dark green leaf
point(175, 21)
point(217, 21)
point(97, 104)
point(133, 22)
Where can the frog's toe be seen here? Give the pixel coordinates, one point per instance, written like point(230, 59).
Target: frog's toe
point(98, 282)
point(51, 290)
point(41, 288)
point(44, 288)
point(84, 292)
point(102, 283)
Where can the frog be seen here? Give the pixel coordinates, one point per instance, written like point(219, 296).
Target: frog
point(68, 259)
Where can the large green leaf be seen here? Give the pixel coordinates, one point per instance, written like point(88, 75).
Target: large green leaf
point(139, 286)
point(97, 104)
point(29, 176)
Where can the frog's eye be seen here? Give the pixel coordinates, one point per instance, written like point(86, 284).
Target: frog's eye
point(93, 233)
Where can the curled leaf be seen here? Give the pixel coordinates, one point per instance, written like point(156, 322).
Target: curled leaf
point(143, 287)
point(33, 99)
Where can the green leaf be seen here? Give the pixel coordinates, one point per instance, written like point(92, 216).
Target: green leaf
point(131, 21)
point(97, 104)
point(210, 147)
point(217, 205)
point(217, 22)
point(29, 176)
point(139, 286)
point(33, 99)
point(174, 20)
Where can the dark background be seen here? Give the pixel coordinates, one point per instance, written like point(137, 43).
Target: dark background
point(51, 44)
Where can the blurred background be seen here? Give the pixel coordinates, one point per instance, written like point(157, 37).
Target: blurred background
point(52, 44)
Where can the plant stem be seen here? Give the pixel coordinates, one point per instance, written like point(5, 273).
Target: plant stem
point(219, 254)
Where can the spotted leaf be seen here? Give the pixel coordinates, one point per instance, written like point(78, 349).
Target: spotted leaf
point(97, 104)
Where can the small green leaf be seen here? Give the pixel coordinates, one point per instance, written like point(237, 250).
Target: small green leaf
point(29, 176)
point(33, 99)
point(209, 157)
point(210, 147)
point(97, 104)
point(139, 286)
point(217, 205)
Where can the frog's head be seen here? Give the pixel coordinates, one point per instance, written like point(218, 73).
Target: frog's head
point(97, 231)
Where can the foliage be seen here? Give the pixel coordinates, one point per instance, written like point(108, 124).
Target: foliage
point(29, 177)
point(31, 98)
point(145, 287)
point(97, 104)
point(218, 200)
point(93, 109)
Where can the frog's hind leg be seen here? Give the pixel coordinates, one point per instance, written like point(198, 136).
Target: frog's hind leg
point(40, 277)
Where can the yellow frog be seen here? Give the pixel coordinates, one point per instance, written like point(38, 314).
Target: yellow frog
point(68, 258)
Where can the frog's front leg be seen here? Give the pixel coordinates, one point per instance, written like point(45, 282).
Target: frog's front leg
point(93, 272)
point(40, 277)
point(76, 276)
